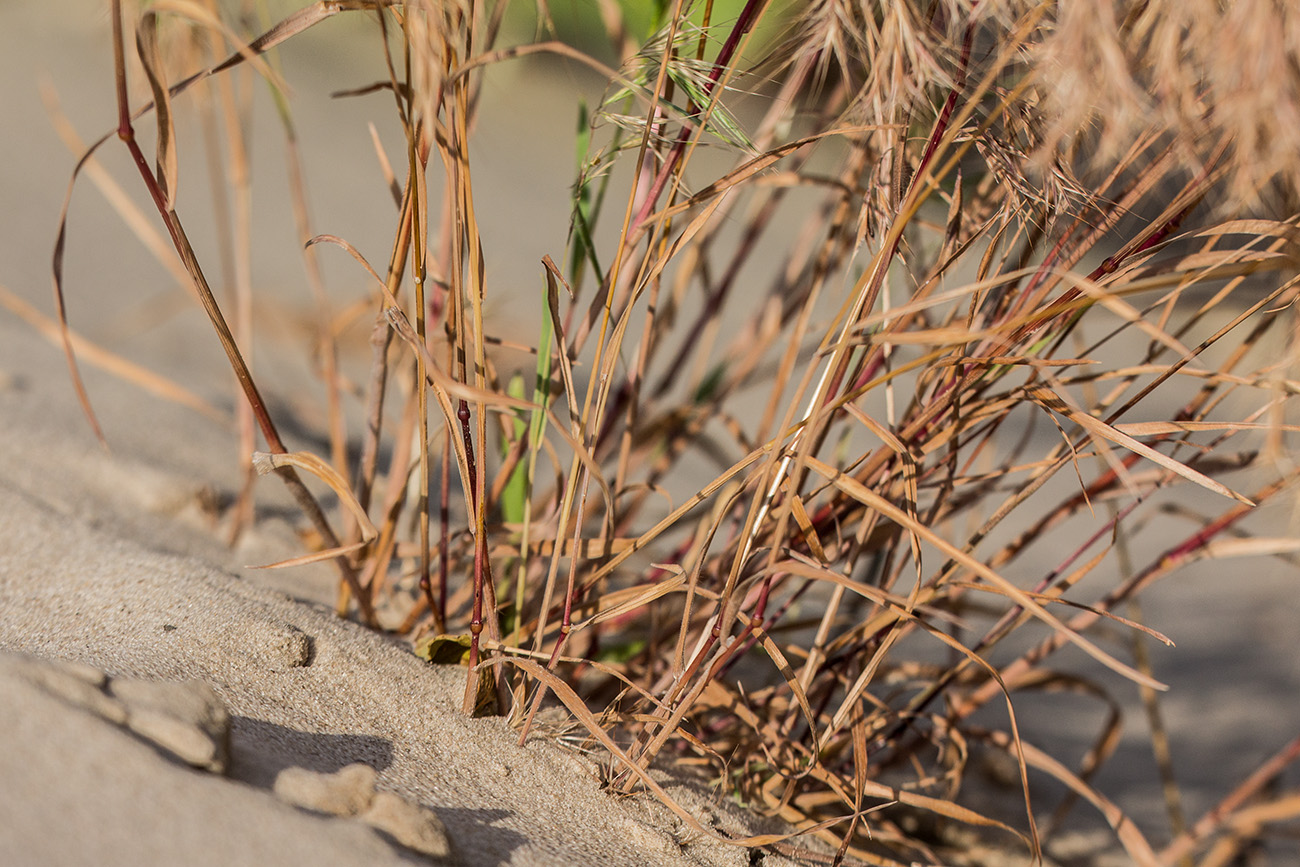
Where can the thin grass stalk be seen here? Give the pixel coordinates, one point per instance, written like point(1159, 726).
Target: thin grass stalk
point(326, 345)
point(1217, 816)
point(418, 226)
point(306, 501)
point(234, 107)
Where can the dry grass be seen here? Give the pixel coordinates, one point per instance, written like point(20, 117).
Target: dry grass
point(1037, 298)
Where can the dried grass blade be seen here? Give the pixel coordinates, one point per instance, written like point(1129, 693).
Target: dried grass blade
point(1095, 426)
point(385, 168)
point(849, 705)
point(117, 197)
point(747, 170)
point(1248, 820)
point(111, 362)
point(506, 649)
point(265, 462)
point(444, 384)
point(792, 681)
point(557, 48)
point(1221, 813)
point(1160, 428)
point(1124, 311)
point(1256, 230)
point(584, 548)
point(938, 806)
point(1129, 836)
point(867, 497)
point(579, 709)
point(881, 320)
point(60, 304)
point(554, 279)
point(1049, 599)
point(897, 604)
point(146, 44)
point(1222, 549)
point(860, 759)
point(910, 483)
point(287, 28)
point(636, 598)
point(314, 557)
point(806, 528)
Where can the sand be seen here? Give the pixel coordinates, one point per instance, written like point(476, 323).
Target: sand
point(85, 582)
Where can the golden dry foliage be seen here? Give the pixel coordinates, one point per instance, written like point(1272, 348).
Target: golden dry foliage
point(1203, 73)
point(965, 297)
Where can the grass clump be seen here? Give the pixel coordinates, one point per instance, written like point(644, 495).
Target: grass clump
point(949, 300)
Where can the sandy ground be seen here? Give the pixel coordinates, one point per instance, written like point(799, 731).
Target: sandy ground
point(113, 580)
point(96, 769)
point(112, 577)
